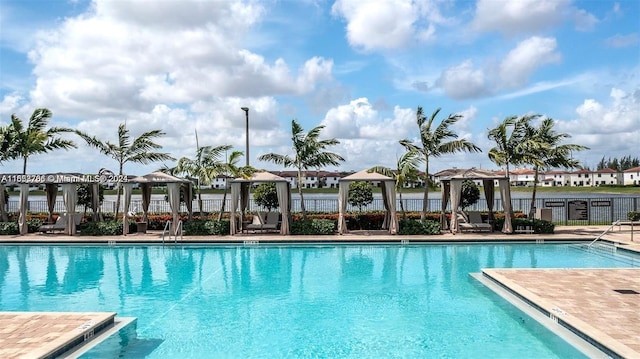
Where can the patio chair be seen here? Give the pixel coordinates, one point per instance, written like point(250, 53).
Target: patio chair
point(475, 219)
point(463, 222)
point(60, 225)
point(272, 221)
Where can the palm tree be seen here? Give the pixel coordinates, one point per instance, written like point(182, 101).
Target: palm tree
point(7, 145)
point(543, 149)
point(139, 150)
point(435, 143)
point(406, 171)
point(204, 167)
point(35, 138)
point(509, 136)
point(309, 153)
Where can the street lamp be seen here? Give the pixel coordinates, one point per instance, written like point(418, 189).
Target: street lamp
point(246, 112)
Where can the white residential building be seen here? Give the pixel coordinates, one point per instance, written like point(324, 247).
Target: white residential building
point(631, 176)
point(555, 179)
point(606, 176)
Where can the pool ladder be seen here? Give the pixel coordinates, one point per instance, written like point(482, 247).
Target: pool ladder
point(167, 228)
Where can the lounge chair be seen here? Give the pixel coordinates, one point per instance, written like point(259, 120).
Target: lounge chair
point(475, 218)
point(272, 221)
point(60, 225)
point(264, 221)
point(463, 222)
point(472, 222)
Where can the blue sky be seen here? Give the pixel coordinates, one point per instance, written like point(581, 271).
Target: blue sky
point(358, 67)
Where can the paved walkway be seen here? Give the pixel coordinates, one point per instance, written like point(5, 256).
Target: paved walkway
point(585, 298)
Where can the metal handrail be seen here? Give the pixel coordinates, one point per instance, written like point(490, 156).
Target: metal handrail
point(605, 232)
point(178, 229)
point(166, 227)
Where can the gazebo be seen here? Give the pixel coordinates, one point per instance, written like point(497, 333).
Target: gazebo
point(67, 181)
point(388, 187)
point(146, 183)
point(451, 188)
point(240, 193)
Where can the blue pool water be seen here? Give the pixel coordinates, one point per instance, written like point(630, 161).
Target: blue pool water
point(384, 301)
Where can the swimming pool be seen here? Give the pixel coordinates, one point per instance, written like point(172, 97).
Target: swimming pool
point(295, 301)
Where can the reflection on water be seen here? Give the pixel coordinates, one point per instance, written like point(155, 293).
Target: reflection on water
point(275, 301)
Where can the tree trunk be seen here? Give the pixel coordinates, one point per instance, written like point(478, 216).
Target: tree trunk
point(200, 201)
point(224, 201)
point(425, 199)
point(118, 193)
point(404, 214)
point(533, 195)
point(304, 211)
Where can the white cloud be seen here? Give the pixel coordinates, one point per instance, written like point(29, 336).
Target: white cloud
point(522, 16)
point(619, 40)
point(388, 24)
point(359, 119)
point(463, 81)
point(118, 59)
point(523, 60)
point(584, 20)
point(609, 130)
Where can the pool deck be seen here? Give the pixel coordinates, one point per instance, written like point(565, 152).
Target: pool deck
point(585, 300)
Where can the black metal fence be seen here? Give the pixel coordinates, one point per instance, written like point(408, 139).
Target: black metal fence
point(564, 211)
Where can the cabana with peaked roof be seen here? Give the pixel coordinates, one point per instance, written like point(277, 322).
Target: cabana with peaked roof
point(67, 181)
point(146, 183)
point(451, 188)
point(388, 187)
point(240, 193)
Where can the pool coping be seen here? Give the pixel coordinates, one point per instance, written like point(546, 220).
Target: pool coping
point(49, 334)
point(579, 320)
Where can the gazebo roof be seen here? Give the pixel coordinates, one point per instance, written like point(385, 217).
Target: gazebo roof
point(472, 173)
point(263, 176)
point(157, 177)
point(365, 175)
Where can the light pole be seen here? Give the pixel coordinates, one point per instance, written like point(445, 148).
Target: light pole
point(246, 112)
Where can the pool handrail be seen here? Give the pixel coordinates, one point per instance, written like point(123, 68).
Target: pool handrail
point(603, 233)
point(166, 227)
point(178, 229)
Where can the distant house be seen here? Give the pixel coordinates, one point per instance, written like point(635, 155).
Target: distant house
point(555, 178)
point(631, 176)
point(581, 178)
point(606, 176)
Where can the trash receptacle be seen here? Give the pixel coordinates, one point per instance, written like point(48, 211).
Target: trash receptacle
point(142, 227)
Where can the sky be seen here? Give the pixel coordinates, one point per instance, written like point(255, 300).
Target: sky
point(360, 68)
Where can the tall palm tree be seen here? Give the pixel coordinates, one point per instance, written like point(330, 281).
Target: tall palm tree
point(139, 150)
point(35, 138)
point(309, 153)
point(542, 148)
point(435, 143)
point(509, 136)
point(406, 171)
point(205, 166)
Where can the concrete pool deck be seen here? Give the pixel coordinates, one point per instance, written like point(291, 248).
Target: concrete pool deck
point(586, 299)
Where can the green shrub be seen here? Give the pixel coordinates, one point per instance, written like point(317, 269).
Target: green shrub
point(200, 227)
point(539, 226)
point(633, 216)
point(33, 225)
point(313, 227)
point(9, 228)
point(415, 226)
point(111, 228)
